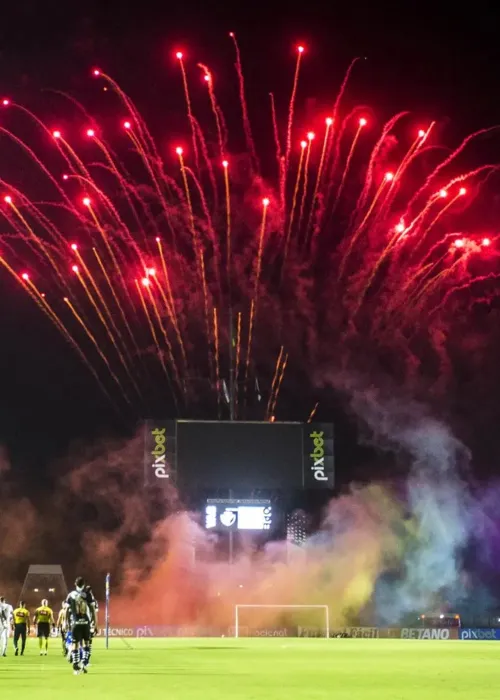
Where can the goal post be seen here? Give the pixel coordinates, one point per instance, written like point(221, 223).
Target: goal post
point(238, 608)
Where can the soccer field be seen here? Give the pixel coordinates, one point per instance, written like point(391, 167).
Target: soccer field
point(274, 669)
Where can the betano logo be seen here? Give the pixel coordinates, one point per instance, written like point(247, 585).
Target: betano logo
point(158, 453)
point(318, 456)
point(427, 633)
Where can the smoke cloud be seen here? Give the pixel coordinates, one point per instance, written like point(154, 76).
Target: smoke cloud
point(384, 551)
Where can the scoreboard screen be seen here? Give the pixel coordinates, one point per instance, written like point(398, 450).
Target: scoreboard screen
point(224, 515)
point(240, 456)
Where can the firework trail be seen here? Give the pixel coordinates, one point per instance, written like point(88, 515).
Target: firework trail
point(291, 108)
point(279, 160)
point(313, 412)
point(328, 122)
point(243, 101)
point(385, 238)
point(310, 138)
point(253, 306)
point(303, 146)
point(278, 387)
point(273, 385)
point(180, 57)
point(218, 116)
point(225, 165)
point(361, 124)
point(217, 368)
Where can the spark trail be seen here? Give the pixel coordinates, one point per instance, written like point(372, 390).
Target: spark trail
point(215, 239)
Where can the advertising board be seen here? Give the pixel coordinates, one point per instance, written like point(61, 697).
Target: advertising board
point(480, 634)
point(444, 634)
point(159, 452)
point(429, 633)
point(318, 456)
point(384, 632)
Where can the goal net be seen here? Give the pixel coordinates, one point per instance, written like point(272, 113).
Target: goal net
point(245, 626)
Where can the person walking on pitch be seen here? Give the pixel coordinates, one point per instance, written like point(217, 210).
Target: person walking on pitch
point(5, 620)
point(21, 627)
point(93, 625)
point(44, 620)
point(82, 618)
point(62, 625)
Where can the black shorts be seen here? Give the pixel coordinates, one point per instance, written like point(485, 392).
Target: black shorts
point(43, 629)
point(81, 633)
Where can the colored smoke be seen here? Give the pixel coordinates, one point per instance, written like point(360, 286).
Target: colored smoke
point(380, 554)
point(437, 500)
point(383, 551)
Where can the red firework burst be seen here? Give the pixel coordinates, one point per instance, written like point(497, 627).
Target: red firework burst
point(200, 266)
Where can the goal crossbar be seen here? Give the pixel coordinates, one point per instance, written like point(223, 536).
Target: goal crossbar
point(237, 609)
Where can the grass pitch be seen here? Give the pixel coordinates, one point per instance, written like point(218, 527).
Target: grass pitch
point(271, 669)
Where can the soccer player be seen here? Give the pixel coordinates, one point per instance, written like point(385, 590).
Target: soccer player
point(82, 619)
point(21, 626)
point(4, 627)
point(62, 625)
point(94, 626)
point(5, 622)
point(43, 619)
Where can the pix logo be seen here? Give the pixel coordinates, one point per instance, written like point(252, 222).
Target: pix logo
point(318, 455)
point(159, 452)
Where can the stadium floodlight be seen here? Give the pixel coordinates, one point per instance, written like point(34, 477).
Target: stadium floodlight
point(325, 609)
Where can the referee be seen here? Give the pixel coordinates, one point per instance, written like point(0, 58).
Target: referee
point(44, 619)
point(21, 626)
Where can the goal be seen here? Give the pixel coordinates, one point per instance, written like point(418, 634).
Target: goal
point(324, 608)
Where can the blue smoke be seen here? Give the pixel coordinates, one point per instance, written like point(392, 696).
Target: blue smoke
point(430, 575)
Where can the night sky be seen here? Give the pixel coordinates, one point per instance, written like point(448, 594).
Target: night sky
point(438, 60)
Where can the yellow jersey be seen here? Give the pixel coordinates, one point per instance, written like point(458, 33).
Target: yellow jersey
point(21, 616)
point(43, 615)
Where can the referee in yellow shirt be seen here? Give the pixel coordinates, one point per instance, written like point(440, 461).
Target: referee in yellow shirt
point(21, 626)
point(44, 620)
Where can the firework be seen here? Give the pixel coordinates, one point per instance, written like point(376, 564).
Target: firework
point(200, 270)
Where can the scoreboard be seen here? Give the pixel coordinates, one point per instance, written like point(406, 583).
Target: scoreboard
point(225, 515)
point(239, 456)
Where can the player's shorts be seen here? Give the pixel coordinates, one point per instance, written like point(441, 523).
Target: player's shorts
point(81, 633)
point(43, 629)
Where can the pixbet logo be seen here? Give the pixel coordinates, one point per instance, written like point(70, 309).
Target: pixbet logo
point(484, 634)
point(158, 453)
point(318, 456)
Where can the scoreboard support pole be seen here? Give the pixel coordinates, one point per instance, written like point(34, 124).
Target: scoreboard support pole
point(232, 387)
point(232, 395)
point(231, 543)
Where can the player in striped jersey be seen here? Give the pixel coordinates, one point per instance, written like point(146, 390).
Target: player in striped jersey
point(82, 619)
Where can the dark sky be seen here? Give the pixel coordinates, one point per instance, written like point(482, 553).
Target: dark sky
point(437, 59)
